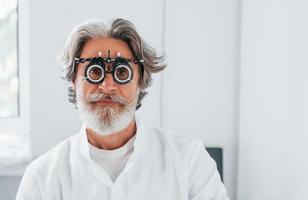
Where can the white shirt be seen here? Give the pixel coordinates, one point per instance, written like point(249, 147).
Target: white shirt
point(112, 161)
point(163, 166)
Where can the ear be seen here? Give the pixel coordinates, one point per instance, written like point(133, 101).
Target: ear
point(71, 92)
point(72, 84)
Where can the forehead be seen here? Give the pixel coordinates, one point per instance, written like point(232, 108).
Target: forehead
point(101, 44)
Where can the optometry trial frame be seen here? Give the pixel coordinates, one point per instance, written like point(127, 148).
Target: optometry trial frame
point(120, 68)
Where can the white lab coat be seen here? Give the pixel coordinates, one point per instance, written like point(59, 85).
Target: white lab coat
point(163, 166)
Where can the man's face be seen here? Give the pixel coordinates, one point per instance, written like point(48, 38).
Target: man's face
point(107, 107)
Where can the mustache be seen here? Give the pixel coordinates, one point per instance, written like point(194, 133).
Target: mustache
point(101, 97)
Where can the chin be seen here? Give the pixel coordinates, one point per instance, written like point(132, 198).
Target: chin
point(106, 120)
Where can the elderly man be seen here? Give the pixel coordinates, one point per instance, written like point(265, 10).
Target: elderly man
point(116, 156)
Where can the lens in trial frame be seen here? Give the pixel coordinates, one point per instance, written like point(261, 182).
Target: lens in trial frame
point(94, 73)
point(123, 74)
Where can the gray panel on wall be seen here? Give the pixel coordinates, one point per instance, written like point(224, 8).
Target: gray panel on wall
point(216, 154)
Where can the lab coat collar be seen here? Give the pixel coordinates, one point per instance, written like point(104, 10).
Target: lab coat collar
point(97, 170)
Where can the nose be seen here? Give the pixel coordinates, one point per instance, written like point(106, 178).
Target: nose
point(108, 85)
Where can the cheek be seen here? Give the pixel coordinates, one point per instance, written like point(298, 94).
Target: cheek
point(87, 88)
point(82, 86)
point(130, 91)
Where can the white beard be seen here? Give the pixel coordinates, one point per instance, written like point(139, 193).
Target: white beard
point(106, 120)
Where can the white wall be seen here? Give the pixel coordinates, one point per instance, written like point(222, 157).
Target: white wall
point(273, 114)
point(197, 95)
point(201, 82)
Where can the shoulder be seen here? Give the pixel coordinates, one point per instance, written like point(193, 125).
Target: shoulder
point(171, 136)
point(45, 169)
point(52, 159)
point(177, 141)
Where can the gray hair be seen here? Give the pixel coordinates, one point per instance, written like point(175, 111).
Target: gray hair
point(118, 29)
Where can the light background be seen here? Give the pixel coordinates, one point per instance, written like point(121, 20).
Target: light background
point(237, 78)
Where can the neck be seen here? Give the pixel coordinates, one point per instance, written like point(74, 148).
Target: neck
point(114, 140)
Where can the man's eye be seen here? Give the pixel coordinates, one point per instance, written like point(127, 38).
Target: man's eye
point(95, 73)
point(122, 73)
